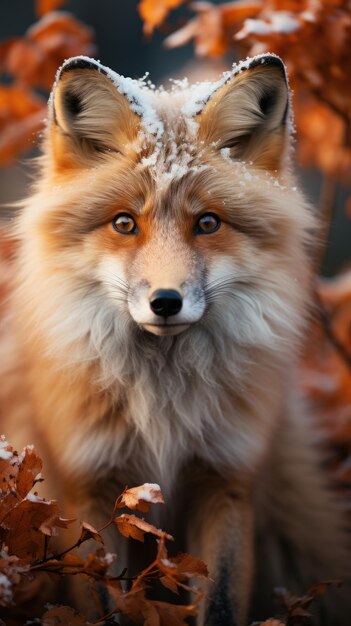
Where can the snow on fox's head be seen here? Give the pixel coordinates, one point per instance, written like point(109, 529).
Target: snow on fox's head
point(170, 209)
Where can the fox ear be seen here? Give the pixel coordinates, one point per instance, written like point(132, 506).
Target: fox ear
point(90, 117)
point(249, 114)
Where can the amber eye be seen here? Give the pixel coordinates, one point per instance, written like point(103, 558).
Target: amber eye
point(207, 224)
point(125, 224)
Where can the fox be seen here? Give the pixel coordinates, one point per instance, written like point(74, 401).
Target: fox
point(162, 291)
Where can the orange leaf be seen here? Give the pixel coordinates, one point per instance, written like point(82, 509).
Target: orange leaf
point(5, 47)
point(97, 564)
point(70, 564)
point(154, 12)
point(184, 566)
point(135, 527)
point(235, 12)
point(29, 470)
point(20, 136)
point(134, 604)
point(206, 29)
point(11, 570)
point(319, 589)
point(169, 583)
point(139, 498)
point(8, 466)
point(61, 616)
point(89, 532)
point(44, 6)
point(25, 525)
point(21, 116)
point(34, 59)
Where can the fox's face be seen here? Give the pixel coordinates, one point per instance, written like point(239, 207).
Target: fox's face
point(168, 209)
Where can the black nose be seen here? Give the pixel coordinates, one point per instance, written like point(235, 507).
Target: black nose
point(166, 302)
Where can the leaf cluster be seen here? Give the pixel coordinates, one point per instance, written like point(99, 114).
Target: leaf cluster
point(28, 523)
point(28, 66)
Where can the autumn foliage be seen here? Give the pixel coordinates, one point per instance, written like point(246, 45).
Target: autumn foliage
point(27, 525)
point(31, 62)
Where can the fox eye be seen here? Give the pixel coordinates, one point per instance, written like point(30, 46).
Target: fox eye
point(208, 223)
point(125, 224)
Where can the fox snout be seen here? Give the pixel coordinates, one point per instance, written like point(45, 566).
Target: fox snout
point(166, 310)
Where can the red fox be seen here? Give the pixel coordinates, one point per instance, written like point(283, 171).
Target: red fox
point(163, 285)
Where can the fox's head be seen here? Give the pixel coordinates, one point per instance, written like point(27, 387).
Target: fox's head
point(167, 211)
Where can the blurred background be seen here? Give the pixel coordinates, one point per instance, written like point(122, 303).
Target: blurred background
point(127, 44)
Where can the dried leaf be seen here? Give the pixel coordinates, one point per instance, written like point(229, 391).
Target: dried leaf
point(5, 47)
point(136, 606)
point(34, 59)
point(30, 466)
point(185, 566)
point(319, 589)
point(180, 567)
point(24, 527)
point(44, 6)
point(206, 29)
point(8, 466)
point(154, 12)
point(62, 616)
point(139, 498)
point(89, 532)
point(169, 583)
point(212, 28)
point(50, 525)
point(11, 570)
point(69, 564)
point(130, 603)
point(21, 115)
point(135, 527)
point(99, 563)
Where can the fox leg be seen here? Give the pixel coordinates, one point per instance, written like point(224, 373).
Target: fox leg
point(221, 533)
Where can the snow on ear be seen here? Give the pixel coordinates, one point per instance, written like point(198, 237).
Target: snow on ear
point(249, 113)
point(90, 116)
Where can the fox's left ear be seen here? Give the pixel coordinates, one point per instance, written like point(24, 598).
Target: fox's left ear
point(90, 115)
point(249, 113)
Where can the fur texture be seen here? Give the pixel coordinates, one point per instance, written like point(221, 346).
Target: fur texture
point(121, 396)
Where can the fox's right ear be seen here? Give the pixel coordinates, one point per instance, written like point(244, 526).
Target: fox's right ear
point(89, 116)
point(248, 115)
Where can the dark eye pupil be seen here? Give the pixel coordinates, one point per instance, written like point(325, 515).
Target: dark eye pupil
point(124, 222)
point(208, 224)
